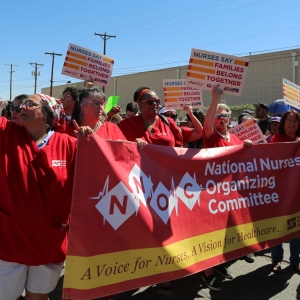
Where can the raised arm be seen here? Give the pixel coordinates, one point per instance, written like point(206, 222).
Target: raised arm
point(198, 128)
point(210, 115)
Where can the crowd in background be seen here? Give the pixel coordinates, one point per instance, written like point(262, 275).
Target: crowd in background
point(37, 132)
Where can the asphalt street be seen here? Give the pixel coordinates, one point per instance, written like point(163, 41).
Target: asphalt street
point(252, 281)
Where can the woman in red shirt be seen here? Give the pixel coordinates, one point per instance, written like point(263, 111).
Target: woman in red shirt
point(289, 129)
point(92, 115)
point(155, 129)
point(36, 175)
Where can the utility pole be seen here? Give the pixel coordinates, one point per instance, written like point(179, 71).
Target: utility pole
point(11, 71)
point(51, 81)
point(105, 37)
point(35, 73)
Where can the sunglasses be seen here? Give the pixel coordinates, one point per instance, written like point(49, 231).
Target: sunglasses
point(219, 116)
point(95, 103)
point(14, 108)
point(28, 103)
point(151, 101)
point(169, 114)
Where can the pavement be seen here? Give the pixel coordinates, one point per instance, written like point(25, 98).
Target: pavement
point(252, 281)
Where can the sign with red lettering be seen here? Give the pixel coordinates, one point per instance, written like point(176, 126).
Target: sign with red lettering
point(206, 69)
point(83, 63)
point(140, 217)
point(249, 130)
point(177, 94)
point(291, 93)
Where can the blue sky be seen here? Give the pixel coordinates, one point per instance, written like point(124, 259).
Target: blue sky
point(149, 34)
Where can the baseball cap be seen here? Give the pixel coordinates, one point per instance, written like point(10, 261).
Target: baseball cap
point(262, 105)
point(163, 110)
point(248, 111)
point(275, 119)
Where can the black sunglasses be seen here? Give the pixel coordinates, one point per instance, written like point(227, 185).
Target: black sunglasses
point(219, 116)
point(151, 101)
point(16, 108)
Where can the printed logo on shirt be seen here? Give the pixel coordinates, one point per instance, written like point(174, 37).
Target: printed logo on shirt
point(58, 163)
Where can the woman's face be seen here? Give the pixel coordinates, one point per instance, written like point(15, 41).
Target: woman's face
point(149, 104)
point(14, 115)
point(291, 124)
point(275, 127)
point(92, 108)
point(221, 119)
point(68, 101)
point(32, 112)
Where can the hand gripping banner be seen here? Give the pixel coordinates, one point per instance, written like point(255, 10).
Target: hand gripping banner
point(141, 217)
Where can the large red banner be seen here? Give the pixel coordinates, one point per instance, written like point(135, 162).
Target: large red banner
point(140, 217)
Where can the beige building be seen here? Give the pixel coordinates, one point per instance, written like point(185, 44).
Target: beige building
point(263, 81)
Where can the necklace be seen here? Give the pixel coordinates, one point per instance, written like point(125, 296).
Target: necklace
point(224, 136)
point(98, 124)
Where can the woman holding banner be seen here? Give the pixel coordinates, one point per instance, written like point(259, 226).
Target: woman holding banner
point(36, 174)
point(215, 134)
point(154, 128)
point(289, 131)
point(92, 116)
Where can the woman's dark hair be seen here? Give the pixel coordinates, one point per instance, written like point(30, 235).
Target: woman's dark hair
point(199, 115)
point(75, 96)
point(243, 116)
point(48, 113)
point(133, 107)
point(21, 97)
point(85, 93)
point(137, 93)
point(283, 119)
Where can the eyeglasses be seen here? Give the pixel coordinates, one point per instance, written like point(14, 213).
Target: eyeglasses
point(291, 121)
point(28, 103)
point(67, 96)
point(151, 101)
point(219, 116)
point(14, 108)
point(95, 103)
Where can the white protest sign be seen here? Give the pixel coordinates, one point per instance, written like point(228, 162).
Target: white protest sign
point(249, 130)
point(177, 94)
point(207, 69)
point(83, 63)
point(291, 93)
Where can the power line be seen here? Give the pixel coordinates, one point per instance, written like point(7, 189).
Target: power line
point(11, 71)
point(35, 73)
point(51, 81)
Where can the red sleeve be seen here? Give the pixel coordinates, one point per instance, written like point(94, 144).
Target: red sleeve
point(186, 133)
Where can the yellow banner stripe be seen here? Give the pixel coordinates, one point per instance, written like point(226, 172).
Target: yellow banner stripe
point(291, 91)
point(171, 99)
point(70, 53)
point(95, 271)
point(201, 69)
point(240, 62)
point(194, 75)
point(290, 96)
point(173, 94)
point(108, 60)
point(71, 66)
point(76, 61)
point(201, 62)
point(250, 123)
point(172, 88)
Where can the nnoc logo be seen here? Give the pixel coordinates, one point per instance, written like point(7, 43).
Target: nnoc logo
point(118, 204)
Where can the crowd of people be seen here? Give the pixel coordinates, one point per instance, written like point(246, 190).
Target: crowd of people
point(38, 135)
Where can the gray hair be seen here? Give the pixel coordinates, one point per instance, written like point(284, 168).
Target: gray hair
point(224, 107)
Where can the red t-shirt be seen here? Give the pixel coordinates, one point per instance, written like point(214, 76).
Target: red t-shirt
point(186, 133)
point(161, 134)
point(216, 140)
point(108, 131)
point(36, 194)
point(282, 138)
